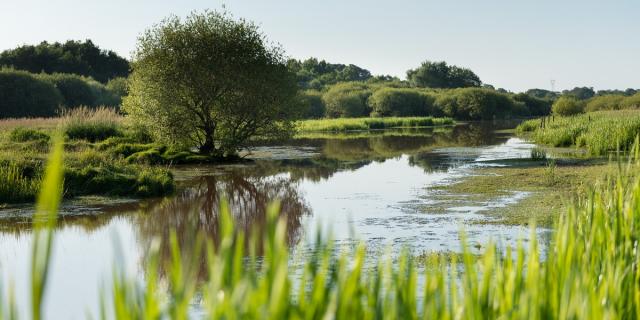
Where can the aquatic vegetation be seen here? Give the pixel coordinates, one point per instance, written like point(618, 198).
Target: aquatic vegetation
point(349, 124)
point(598, 132)
point(591, 271)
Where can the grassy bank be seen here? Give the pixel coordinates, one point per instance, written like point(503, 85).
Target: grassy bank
point(93, 164)
point(351, 124)
point(550, 185)
point(590, 272)
point(598, 132)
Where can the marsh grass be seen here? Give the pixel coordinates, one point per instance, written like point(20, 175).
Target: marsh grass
point(15, 187)
point(599, 132)
point(92, 124)
point(353, 124)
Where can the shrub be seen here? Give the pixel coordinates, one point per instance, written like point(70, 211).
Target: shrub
point(347, 100)
point(401, 102)
point(24, 95)
point(118, 89)
point(91, 124)
point(312, 105)
point(632, 102)
point(606, 102)
point(567, 106)
point(75, 89)
point(478, 104)
point(21, 134)
point(535, 106)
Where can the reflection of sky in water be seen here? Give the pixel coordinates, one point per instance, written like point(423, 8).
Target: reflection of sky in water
point(387, 203)
point(383, 202)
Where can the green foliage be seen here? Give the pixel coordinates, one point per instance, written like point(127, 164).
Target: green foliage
point(535, 106)
point(478, 104)
point(632, 102)
point(401, 102)
point(75, 89)
point(118, 89)
point(15, 186)
point(440, 75)
point(567, 106)
point(580, 93)
point(25, 95)
point(598, 132)
point(312, 105)
point(347, 100)
point(83, 58)
point(314, 74)
point(543, 94)
point(92, 124)
point(189, 95)
point(605, 102)
point(21, 134)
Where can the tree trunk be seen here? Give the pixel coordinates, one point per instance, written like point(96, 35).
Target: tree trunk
point(209, 146)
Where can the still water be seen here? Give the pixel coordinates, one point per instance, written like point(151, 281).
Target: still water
point(375, 187)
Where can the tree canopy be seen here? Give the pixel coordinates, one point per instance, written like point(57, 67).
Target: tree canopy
point(314, 74)
point(82, 58)
point(440, 75)
point(210, 81)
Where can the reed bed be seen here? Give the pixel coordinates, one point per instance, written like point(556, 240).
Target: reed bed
point(598, 132)
point(92, 124)
point(352, 124)
point(590, 271)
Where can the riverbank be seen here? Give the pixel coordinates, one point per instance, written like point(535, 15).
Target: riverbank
point(599, 132)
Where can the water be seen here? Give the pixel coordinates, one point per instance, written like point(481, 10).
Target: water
point(372, 187)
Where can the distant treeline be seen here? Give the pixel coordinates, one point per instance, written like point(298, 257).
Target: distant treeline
point(38, 80)
point(82, 58)
point(397, 99)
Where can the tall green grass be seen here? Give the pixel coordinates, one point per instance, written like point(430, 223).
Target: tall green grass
point(15, 186)
point(349, 124)
point(590, 271)
point(92, 124)
point(598, 132)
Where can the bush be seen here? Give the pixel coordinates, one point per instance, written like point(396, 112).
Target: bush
point(535, 106)
point(312, 105)
point(606, 102)
point(478, 104)
point(567, 106)
point(21, 134)
point(75, 89)
point(632, 102)
point(91, 124)
point(25, 95)
point(118, 89)
point(401, 102)
point(347, 100)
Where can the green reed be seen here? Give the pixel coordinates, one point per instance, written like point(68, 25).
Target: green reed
point(598, 132)
point(352, 124)
point(590, 271)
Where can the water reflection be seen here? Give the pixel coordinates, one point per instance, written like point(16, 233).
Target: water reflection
point(196, 209)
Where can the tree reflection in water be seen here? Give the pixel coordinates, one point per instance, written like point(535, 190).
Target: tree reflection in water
point(196, 210)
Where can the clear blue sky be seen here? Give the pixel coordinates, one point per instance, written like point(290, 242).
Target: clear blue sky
point(509, 43)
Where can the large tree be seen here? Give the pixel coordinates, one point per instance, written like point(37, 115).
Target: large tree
point(210, 81)
point(440, 75)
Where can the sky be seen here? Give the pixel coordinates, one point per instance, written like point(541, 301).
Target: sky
point(511, 44)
